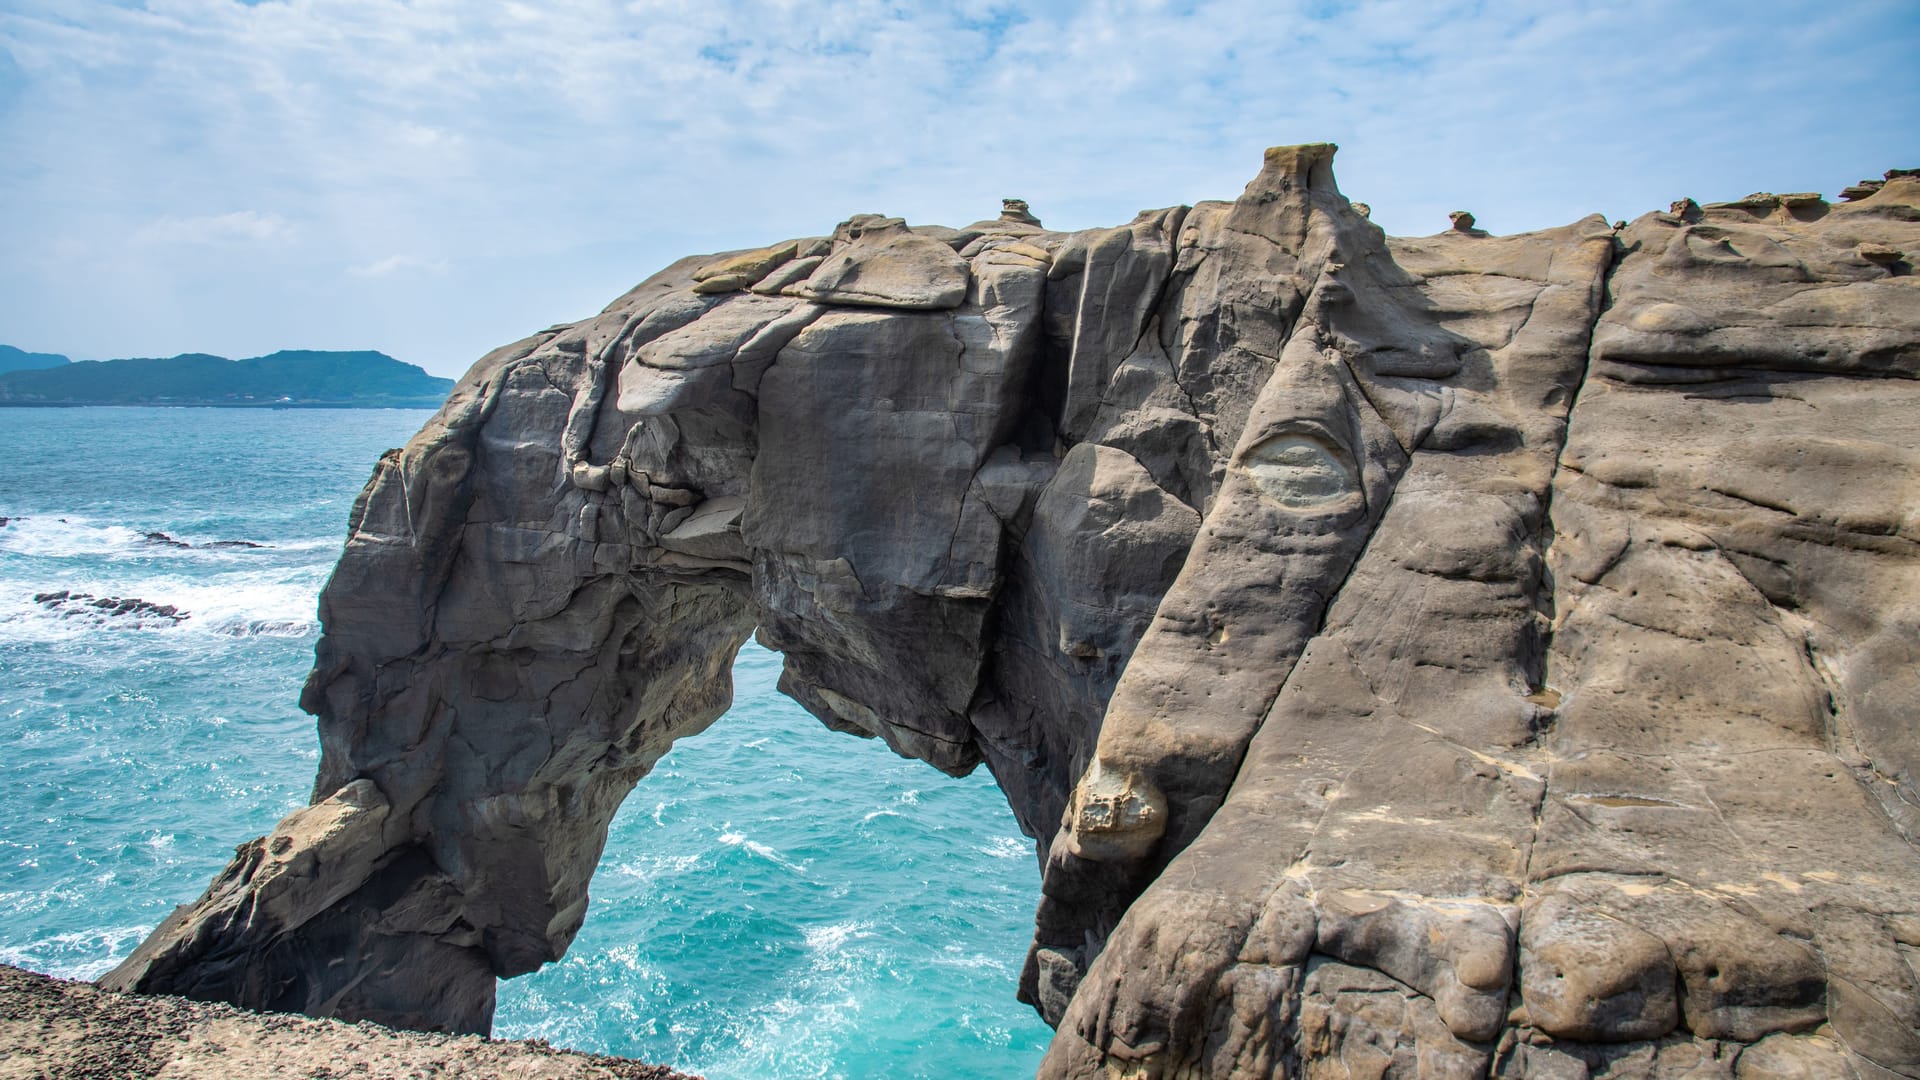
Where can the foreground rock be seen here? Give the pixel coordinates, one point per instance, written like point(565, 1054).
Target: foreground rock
point(74, 1031)
point(1454, 656)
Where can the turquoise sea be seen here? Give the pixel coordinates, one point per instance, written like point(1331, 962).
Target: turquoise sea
point(776, 900)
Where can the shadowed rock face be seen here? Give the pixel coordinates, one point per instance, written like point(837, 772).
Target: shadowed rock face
point(1454, 656)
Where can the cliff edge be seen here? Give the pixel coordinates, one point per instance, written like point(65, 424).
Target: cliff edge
point(1462, 655)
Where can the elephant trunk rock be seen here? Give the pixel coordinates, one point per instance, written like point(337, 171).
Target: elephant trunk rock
point(1455, 655)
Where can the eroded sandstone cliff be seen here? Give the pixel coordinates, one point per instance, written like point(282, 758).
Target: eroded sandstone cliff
point(1451, 656)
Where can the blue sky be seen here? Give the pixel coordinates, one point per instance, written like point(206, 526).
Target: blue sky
point(436, 177)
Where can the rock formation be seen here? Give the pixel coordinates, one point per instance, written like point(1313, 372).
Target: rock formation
point(1463, 655)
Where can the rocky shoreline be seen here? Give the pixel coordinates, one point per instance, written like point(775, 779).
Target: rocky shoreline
point(52, 1029)
point(1456, 655)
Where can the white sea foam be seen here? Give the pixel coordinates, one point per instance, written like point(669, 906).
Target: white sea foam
point(83, 954)
point(956, 957)
point(231, 591)
point(279, 602)
point(75, 536)
point(734, 839)
point(1008, 847)
point(628, 956)
point(830, 937)
point(649, 867)
point(792, 1035)
point(48, 537)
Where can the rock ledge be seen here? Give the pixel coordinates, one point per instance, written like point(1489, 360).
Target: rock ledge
point(75, 1031)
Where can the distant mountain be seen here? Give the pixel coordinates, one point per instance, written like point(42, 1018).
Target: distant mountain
point(12, 359)
point(363, 379)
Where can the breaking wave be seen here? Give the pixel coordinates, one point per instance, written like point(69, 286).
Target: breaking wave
point(58, 573)
point(72, 536)
point(278, 603)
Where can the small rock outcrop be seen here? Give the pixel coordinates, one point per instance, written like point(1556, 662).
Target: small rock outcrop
point(1464, 655)
point(1018, 210)
point(70, 604)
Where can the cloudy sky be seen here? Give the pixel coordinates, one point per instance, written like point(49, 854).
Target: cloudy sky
point(435, 177)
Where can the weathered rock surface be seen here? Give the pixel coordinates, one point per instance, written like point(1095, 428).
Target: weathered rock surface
point(1453, 656)
point(51, 1029)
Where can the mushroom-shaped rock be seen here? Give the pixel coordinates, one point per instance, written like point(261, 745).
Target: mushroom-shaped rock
point(1462, 221)
point(1803, 205)
point(1017, 210)
point(1760, 202)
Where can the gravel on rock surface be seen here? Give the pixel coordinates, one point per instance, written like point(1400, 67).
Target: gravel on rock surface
point(76, 1031)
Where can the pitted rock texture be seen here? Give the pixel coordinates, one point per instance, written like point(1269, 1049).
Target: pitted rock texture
point(1464, 655)
point(51, 1029)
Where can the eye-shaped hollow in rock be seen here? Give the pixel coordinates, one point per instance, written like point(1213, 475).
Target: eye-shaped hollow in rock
point(1303, 470)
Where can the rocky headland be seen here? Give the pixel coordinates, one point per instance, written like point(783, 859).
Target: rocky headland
point(289, 378)
point(1449, 656)
point(13, 359)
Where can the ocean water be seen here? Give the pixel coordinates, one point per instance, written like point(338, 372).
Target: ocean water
point(775, 901)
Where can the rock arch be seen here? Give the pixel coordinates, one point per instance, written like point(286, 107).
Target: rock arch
point(1452, 653)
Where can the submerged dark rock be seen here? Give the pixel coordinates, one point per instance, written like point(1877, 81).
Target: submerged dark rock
point(86, 604)
point(160, 539)
point(1458, 655)
point(74, 1031)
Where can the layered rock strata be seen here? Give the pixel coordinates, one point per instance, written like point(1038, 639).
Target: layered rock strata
point(1451, 656)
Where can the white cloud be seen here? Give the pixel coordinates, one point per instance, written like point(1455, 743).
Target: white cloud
point(554, 153)
point(397, 264)
point(421, 135)
point(240, 226)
